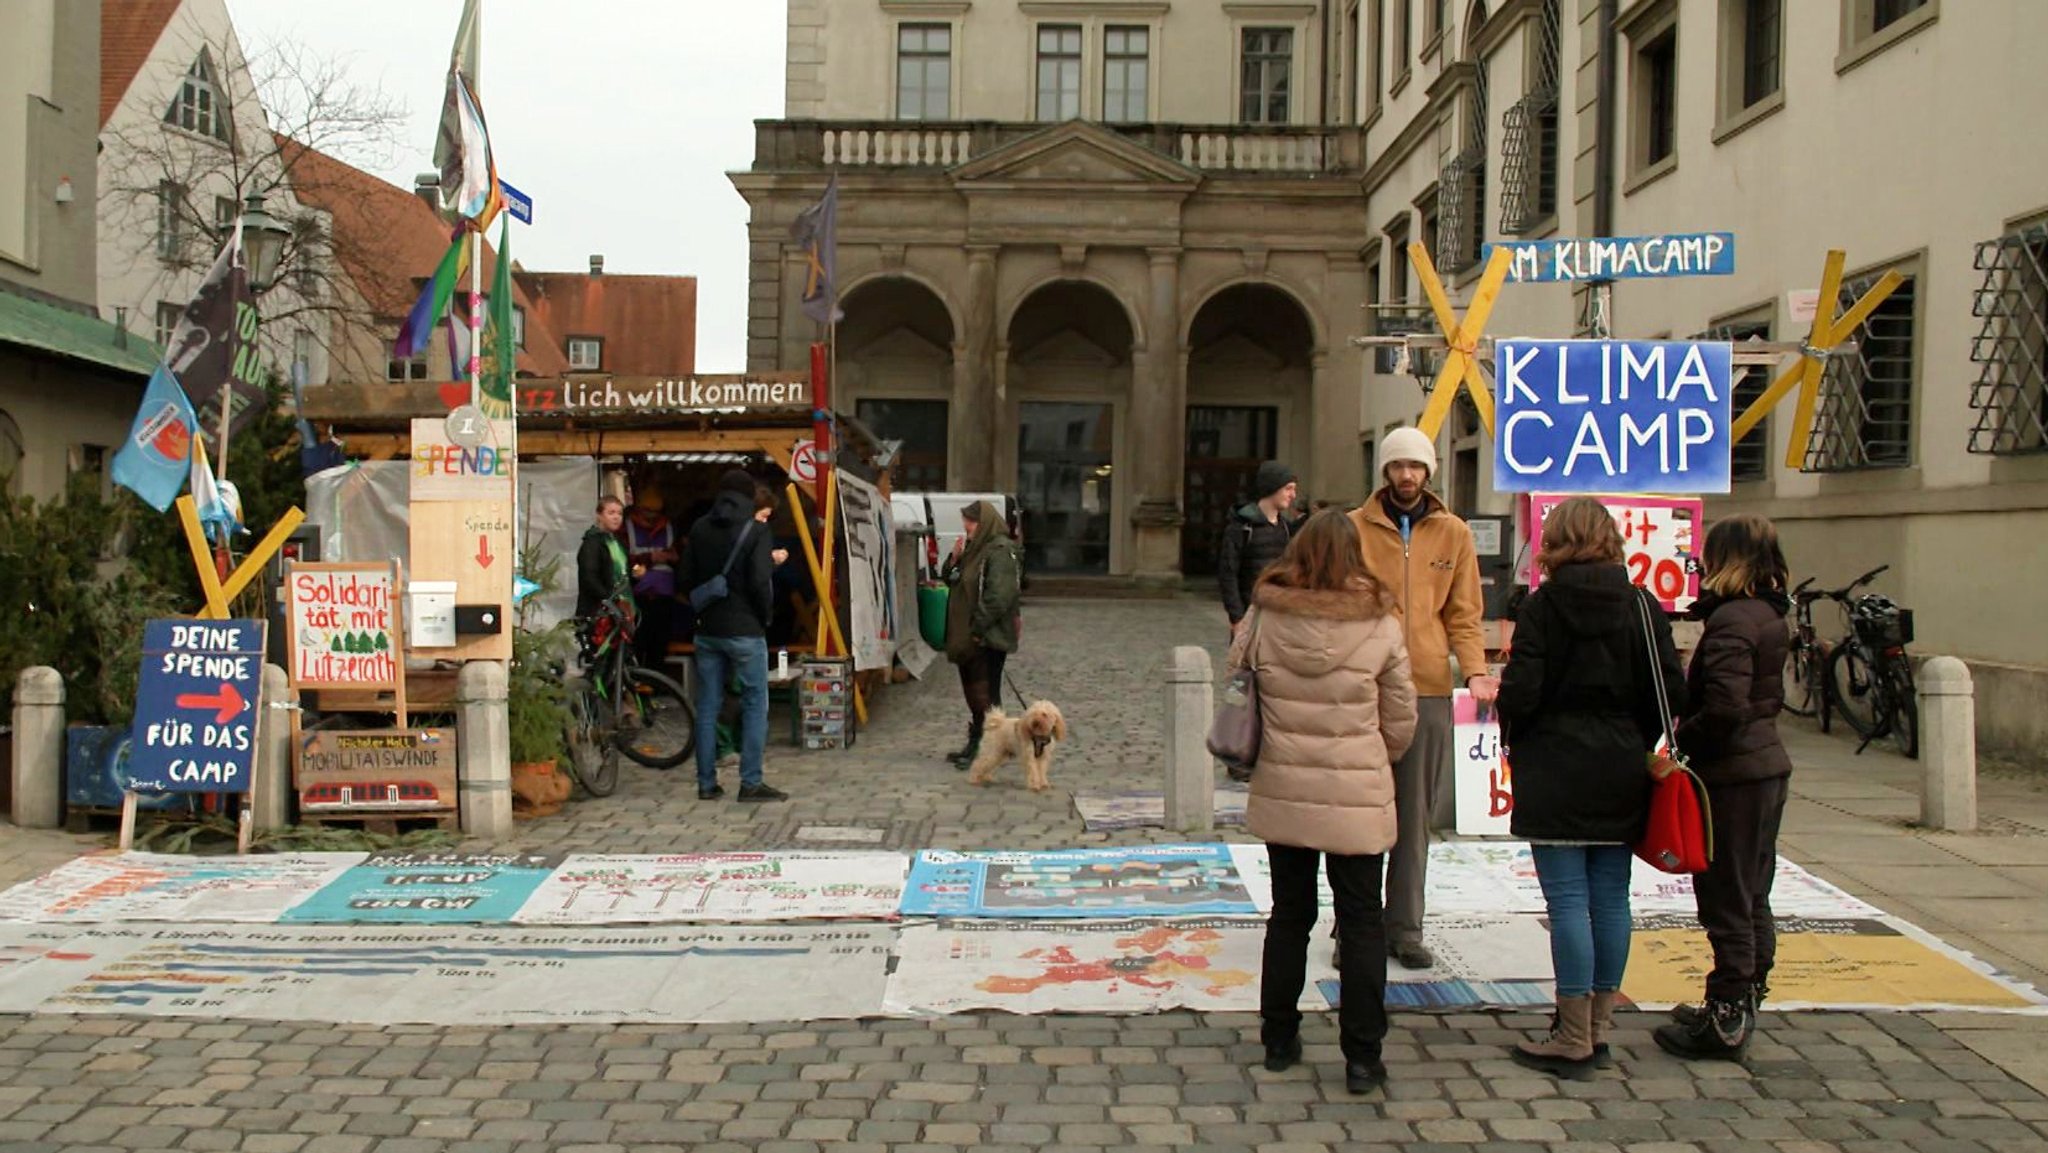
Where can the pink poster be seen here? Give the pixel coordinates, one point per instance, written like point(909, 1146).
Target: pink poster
point(1658, 532)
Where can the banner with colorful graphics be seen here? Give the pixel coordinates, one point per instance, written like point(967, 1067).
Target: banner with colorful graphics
point(1139, 881)
point(615, 890)
point(400, 886)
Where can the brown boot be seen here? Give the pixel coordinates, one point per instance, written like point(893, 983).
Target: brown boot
point(1568, 1050)
point(1603, 1024)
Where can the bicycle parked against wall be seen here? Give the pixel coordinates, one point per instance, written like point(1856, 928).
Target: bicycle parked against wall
point(1806, 664)
point(1870, 677)
point(620, 707)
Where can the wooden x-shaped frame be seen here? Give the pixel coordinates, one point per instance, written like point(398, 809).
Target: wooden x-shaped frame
point(1828, 331)
point(1461, 360)
point(219, 594)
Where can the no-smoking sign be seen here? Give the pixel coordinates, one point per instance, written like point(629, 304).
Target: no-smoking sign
point(803, 462)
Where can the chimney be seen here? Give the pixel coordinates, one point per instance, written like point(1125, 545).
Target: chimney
point(597, 264)
point(427, 186)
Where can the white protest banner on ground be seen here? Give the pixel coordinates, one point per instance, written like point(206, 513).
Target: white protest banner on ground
point(1137, 881)
point(1146, 808)
point(1481, 784)
point(1601, 416)
point(400, 886)
point(871, 624)
point(1660, 538)
point(344, 630)
point(780, 886)
point(467, 976)
point(1134, 966)
point(171, 887)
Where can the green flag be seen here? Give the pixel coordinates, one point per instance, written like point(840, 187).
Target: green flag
point(501, 350)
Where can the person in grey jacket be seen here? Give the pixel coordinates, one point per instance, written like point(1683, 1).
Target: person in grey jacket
point(1255, 536)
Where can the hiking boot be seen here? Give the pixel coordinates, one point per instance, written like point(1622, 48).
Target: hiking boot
point(710, 794)
point(1281, 1058)
point(1689, 1015)
point(1603, 1024)
point(1362, 1077)
point(1568, 1050)
point(965, 757)
point(1721, 1032)
point(1411, 954)
point(762, 792)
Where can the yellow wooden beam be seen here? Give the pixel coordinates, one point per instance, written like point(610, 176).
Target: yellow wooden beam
point(216, 607)
point(261, 554)
point(1461, 362)
point(1820, 335)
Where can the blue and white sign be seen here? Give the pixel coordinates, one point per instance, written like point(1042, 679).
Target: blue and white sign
point(518, 203)
point(1619, 257)
point(195, 709)
point(1612, 416)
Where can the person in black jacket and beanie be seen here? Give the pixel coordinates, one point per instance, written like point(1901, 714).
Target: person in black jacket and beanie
point(1255, 536)
point(1729, 733)
point(1579, 717)
point(732, 633)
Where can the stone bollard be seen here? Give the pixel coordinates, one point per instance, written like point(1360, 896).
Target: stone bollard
point(1190, 771)
point(274, 791)
point(484, 771)
point(38, 748)
point(1948, 746)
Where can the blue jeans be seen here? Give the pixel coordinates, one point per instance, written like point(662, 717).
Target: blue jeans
point(746, 659)
point(1586, 889)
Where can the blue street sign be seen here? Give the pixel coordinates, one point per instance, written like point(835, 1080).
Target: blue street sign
point(195, 709)
point(1619, 257)
point(518, 203)
point(1612, 416)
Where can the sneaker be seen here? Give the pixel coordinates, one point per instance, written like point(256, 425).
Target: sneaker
point(1362, 1077)
point(763, 792)
point(710, 794)
point(1412, 955)
point(1281, 1058)
point(1720, 1032)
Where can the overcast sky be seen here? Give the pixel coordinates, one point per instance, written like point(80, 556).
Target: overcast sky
point(620, 118)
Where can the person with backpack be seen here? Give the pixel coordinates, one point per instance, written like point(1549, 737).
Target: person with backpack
point(731, 570)
point(1255, 536)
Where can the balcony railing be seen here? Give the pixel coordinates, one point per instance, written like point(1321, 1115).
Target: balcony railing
point(787, 145)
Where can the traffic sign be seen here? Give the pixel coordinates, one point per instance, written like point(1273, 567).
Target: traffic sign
point(518, 203)
point(196, 706)
point(803, 462)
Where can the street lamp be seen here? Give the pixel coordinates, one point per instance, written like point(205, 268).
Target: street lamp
point(263, 237)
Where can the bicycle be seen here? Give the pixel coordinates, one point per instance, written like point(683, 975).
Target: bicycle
point(1871, 678)
point(617, 706)
point(1806, 678)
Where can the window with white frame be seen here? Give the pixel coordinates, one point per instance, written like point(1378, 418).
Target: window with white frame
point(518, 327)
point(924, 71)
point(1059, 71)
point(198, 106)
point(411, 368)
point(586, 354)
point(1653, 80)
point(302, 351)
point(224, 214)
point(1266, 74)
point(167, 317)
point(170, 221)
point(1126, 74)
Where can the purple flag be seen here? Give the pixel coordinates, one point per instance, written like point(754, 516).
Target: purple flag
point(816, 229)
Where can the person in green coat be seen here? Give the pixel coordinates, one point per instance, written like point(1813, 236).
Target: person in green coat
point(984, 576)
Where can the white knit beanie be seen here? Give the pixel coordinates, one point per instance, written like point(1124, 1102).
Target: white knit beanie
point(1407, 444)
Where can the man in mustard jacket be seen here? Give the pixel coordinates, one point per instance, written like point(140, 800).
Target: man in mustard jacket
point(1423, 553)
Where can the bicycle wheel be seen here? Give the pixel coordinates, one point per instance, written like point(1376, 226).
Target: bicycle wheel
point(594, 759)
point(1852, 686)
point(1802, 681)
point(658, 724)
point(1905, 704)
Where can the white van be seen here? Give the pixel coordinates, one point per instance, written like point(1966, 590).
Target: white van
point(939, 514)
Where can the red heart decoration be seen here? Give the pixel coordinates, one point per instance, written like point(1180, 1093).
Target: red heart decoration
point(455, 395)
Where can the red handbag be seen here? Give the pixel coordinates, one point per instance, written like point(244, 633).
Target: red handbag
point(1679, 836)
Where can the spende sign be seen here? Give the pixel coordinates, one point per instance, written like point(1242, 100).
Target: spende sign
point(195, 709)
point(1612, 416)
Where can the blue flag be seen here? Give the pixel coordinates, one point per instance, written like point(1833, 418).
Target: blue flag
point(156, 458)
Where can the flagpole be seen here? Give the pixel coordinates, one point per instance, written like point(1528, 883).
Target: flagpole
point(476, 314)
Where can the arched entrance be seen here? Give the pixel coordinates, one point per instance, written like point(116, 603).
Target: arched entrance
point(1069, 371)
point(1250, 352)
point(895, 373)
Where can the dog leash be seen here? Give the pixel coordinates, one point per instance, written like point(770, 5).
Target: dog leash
point(1012, 682)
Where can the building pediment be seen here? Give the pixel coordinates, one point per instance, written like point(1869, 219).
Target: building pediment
point(1074, 155)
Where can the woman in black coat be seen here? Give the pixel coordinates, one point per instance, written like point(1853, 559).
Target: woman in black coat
point(1579, 715)
point(1729, 733)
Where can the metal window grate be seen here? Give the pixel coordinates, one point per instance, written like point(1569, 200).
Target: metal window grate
point(1751, 456)
point(2011, 348)
point(1529, 149)
point(1865, 419)
point(1461, 197)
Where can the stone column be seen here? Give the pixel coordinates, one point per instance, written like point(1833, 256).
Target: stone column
point(971, 437)
point(1948, 746)
point(1190, 771)
point(484, 751)
point(38, 748)
point(273, 808)
point(1158, 432)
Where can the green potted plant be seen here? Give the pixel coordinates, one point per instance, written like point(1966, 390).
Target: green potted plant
point(537, 715)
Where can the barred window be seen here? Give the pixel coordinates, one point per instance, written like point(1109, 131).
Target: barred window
point(1750, 459)
point(1865, 418)
point(2011, 349)
point(1529, 147)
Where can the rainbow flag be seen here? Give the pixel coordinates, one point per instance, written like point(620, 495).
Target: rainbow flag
point(462, 147)
point(433, 301)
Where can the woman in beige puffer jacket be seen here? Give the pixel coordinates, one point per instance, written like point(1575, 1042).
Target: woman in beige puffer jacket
point(1338, 709)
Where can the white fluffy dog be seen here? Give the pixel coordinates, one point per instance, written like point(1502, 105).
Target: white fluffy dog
point(1030, 738)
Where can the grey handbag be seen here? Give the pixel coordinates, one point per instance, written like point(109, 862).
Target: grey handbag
point(1235, 730)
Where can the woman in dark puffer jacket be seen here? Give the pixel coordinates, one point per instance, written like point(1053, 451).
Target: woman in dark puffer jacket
point(1729, 732)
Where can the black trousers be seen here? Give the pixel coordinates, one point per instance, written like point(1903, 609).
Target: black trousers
point(651, 637)
point(1734, 894)
point(981, 680)
point(1361, 944)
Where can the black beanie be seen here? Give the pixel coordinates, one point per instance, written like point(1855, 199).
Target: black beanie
point(1271, 478)
point(737, 480)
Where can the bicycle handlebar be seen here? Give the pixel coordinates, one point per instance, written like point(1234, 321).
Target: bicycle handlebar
point(1803, 594)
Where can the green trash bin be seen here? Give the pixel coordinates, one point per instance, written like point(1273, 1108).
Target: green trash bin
point(931, 614)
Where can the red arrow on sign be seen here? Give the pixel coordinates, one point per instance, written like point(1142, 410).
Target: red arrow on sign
point(483, 551)
point(227, 700)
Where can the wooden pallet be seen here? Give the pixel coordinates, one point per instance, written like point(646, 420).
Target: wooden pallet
point(386, 824)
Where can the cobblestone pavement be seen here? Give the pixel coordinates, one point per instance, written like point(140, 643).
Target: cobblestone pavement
point(1815, 1082)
